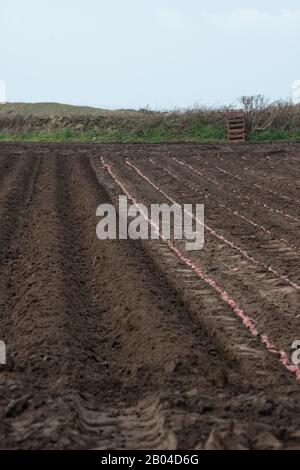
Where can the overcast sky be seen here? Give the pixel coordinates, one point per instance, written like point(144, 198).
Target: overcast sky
point(162, 53)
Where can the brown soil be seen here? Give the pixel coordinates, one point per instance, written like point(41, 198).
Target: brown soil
point(117, 344)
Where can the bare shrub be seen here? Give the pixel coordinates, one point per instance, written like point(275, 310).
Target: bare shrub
point(262, 115)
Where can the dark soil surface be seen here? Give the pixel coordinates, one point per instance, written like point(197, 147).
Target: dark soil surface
point(122, 344)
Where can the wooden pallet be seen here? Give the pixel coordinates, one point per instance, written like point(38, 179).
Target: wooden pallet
point(236, 126)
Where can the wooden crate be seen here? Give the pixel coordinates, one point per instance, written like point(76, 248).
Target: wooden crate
point(236, 126)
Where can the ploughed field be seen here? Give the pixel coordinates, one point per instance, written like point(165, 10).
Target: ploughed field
point(126, 344)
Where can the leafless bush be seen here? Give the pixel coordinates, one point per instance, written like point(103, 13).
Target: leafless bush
point(261, 114)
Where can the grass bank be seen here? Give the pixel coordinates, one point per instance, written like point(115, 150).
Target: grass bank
point(206, 134)
point(52, 122)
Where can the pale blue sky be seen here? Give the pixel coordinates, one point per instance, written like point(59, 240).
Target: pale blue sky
point(162, 53)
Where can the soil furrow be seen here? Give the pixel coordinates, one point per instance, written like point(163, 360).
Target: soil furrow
point(285, 228)
point(130, 344)
point(265, 295)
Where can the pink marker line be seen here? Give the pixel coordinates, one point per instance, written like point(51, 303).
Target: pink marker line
point(220, 158)
point(208, 195)
point(267, 189)
point(229, 174)
point(235, 213)
point(197, 172)
point(263, 188)
point(216, 235)
point(247, 321)
point(207, 178)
